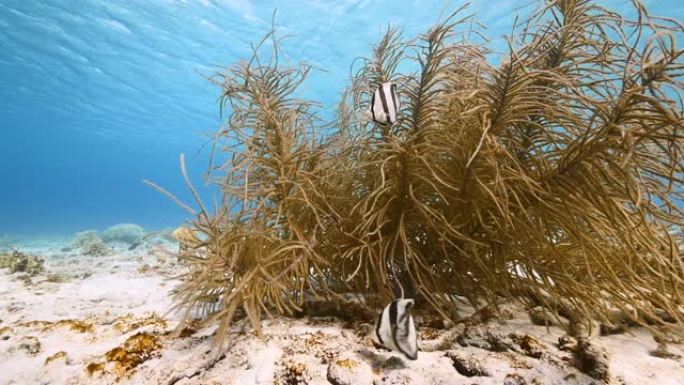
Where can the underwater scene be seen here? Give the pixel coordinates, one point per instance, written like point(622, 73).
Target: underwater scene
point(354, 192)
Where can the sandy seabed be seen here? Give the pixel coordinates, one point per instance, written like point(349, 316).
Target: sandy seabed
point(106, 320)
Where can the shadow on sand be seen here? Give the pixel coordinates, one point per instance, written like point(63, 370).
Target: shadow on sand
point(381, 362)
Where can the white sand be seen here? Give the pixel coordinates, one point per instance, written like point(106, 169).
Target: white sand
point(117, 292)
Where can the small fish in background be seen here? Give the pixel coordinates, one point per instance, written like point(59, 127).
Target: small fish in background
point(187, 239)
point(385, 105)
point(396, 330)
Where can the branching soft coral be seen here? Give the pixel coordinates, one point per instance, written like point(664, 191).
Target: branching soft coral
point(550, 177)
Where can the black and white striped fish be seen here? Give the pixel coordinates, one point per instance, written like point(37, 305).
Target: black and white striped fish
point(396, 330)
point(385, 104)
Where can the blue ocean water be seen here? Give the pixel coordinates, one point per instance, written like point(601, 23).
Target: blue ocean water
point(96, 96)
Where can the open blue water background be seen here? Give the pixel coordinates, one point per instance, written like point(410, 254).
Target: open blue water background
point(97, 95)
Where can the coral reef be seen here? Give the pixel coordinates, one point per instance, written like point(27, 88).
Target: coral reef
point(5, 260)
point(96, 249)
point(16, 261)
point(84, 238)
point(155, 239)
point(89, 243)
point(128, 233)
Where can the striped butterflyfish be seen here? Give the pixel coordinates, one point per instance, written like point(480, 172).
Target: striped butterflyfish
point(385, 104)
point(396, 330)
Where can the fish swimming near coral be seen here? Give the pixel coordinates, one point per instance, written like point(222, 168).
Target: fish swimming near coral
point(396, 330)
point(187, 239)
point(385, 104)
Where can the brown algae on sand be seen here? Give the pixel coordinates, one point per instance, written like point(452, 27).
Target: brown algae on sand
point(5, 330)
point(57, 356)
point(129, 323)
point(73, 324)
point(94, 367)
point(347, 363)
point(136, 350)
